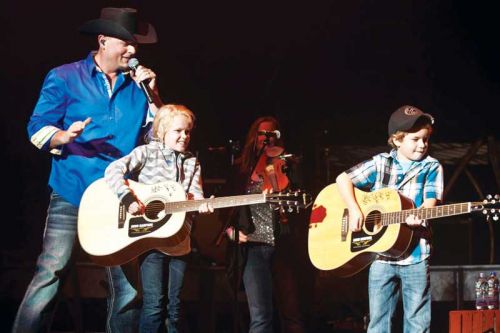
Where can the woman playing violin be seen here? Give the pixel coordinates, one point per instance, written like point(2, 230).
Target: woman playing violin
point(261, 232)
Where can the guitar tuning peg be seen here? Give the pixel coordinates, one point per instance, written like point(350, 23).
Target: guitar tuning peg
point(489, 196)
point(495, 217)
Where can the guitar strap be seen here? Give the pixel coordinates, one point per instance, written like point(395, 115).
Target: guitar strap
point(387, 171)
point(194, 171)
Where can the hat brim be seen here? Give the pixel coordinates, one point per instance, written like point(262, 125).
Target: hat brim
point(110, 28)
point(409, 123)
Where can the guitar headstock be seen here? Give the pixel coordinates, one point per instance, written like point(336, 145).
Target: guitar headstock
point(290, 200)
point(489, 206)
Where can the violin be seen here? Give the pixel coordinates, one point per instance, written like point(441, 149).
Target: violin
point(271, 169)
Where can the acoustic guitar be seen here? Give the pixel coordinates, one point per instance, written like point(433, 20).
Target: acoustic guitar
point(332, 246)
point(112, 236)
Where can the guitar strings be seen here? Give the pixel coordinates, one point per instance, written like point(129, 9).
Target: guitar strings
point(396, 216)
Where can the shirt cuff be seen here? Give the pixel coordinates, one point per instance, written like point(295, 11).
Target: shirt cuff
point(41, 139)
point(127, 199)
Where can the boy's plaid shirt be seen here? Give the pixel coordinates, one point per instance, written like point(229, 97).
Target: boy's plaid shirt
point(423, 180)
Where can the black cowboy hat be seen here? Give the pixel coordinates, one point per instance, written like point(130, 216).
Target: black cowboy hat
point(121, 23)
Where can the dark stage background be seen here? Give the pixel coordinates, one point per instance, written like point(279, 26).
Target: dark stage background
point(331, 71)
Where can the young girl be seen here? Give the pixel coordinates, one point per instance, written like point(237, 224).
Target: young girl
point(268, 261)
point(165, 158)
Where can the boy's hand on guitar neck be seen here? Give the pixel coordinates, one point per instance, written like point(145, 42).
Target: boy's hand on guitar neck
point(207, 207)
point(356, 219)
point(413, 220)
point(204, 208)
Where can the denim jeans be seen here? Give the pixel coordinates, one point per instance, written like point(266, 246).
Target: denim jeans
point(127, 312)
point(384, 284)
point(36, 310)
point(176, 269)
point(258, 280)
point(136, 295)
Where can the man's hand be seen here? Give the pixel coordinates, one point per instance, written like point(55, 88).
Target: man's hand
point(69, 135)
point(146, 75)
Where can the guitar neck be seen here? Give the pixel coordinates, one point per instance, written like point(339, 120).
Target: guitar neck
point(221, 202)
point(428, 213)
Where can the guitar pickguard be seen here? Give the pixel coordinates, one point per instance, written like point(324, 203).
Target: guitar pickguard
point(361, 240)
point(154, 217)
point(139, 226)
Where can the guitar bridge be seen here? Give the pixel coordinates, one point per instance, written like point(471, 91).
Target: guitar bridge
point(344, 225)
point(122, 215)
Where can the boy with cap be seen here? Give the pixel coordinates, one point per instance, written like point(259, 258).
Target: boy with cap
point(89, 113)
point(410, 170)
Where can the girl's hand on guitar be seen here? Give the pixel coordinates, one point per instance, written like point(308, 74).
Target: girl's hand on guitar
point(136, 208)
point(207, 207)
point(242, 238)
point(356, 219)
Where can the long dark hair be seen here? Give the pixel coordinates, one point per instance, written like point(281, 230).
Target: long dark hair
point(247, 158)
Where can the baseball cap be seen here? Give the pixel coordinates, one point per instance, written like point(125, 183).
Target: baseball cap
point(405, 118)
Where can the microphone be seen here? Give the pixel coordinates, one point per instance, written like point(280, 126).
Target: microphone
point(269, 134)
point(133, 63)
point(290, 158)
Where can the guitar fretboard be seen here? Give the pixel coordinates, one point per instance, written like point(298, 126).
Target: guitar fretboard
point(223, 202)
point(428, 213)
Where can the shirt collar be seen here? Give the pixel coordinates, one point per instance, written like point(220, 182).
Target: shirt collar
point(92, 67)
point(169, 151)
point(394, 155)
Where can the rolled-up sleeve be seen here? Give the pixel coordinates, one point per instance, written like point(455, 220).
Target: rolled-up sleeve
point(47, 117)
point(364, 174)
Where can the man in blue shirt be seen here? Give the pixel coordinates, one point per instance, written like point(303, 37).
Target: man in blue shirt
point(89, 113)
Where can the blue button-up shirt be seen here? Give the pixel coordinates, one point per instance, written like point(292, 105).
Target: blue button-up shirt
point(74, 92)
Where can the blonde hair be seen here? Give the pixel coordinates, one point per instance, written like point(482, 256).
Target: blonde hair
point(164, 117)
point(399, 135)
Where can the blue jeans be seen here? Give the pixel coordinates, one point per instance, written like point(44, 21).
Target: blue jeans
point(384, 288)
point(258, 281)
point(127, 312)
point(176, 269)
point(36, 310)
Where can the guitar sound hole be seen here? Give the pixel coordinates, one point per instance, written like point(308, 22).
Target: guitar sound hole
point(155, 210)
point(372, 221)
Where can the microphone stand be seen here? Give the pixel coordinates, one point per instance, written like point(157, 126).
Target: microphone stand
point(237, 243)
